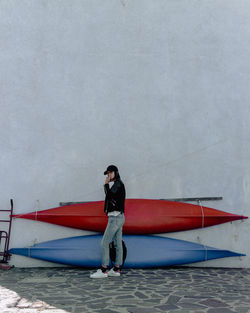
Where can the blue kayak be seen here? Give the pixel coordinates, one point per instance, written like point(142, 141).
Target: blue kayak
point(142, 251)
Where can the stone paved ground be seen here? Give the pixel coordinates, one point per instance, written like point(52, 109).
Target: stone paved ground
point(176, 290)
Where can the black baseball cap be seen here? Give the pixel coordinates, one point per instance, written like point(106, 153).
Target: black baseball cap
point(111, 168)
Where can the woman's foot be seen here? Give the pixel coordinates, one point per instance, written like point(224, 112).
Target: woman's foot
point(99, 274)
point(115, 272)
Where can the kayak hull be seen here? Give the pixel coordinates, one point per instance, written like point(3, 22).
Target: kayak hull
point(142, 251)
point(142, 216)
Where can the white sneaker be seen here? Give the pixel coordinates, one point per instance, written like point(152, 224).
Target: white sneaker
point(114, 273)
point(99, 274)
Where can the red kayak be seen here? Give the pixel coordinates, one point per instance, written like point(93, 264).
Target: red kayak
point(143, 216)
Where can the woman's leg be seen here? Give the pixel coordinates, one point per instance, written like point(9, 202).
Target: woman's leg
point(109, 233)
point(118, 240)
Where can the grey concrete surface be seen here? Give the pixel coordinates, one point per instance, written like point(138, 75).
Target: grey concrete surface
point(176, 290)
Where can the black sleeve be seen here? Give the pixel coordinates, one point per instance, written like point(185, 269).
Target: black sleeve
point(114, 192)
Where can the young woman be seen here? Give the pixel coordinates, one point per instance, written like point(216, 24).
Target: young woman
point(114, 208)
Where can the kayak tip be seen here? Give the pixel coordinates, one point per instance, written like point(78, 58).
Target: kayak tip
point(242, 217)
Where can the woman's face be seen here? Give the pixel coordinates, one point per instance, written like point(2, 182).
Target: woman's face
point(111, 175)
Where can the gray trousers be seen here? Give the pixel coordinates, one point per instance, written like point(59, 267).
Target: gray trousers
point(113, 232)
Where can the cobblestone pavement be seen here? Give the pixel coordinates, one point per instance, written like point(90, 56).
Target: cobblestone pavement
point(176, 290)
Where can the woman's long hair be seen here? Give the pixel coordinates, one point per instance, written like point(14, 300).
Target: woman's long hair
point(117, 175)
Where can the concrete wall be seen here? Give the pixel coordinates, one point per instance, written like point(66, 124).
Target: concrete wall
point(160, 88)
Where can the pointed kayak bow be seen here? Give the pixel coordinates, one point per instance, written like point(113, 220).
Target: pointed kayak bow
point(142, 251)
point(142, 216)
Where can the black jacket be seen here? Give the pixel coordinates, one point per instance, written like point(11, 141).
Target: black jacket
point(115, 197)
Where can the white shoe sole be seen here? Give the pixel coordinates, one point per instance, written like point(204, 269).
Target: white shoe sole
point(114, 275)
point(96, 277)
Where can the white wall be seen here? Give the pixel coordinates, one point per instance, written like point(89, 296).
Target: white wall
point(160, 88)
